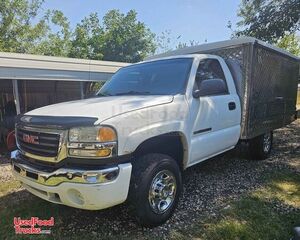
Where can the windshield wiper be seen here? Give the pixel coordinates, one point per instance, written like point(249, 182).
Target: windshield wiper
point(133, 93)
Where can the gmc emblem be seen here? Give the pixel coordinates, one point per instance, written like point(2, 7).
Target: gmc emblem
point(30, 139)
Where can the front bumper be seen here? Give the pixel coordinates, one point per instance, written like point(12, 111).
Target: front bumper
point(86, 189)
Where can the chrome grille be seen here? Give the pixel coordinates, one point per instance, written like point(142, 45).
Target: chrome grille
point(46, 144)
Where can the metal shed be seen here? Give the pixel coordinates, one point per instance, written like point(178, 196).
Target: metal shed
point(31, 81)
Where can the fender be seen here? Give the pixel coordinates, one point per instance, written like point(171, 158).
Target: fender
point(173, 144)
point(136, 127)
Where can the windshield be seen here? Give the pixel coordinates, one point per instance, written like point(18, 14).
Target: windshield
point(163, 77)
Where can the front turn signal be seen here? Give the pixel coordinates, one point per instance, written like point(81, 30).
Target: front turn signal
point(106, 134)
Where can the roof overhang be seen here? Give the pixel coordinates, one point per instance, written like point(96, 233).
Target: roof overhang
point(34, 67)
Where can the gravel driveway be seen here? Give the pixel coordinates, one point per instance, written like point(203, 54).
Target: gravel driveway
point(208, 187)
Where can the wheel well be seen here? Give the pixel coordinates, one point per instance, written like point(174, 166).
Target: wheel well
point(171, 144)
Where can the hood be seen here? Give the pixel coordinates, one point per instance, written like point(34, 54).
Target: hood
point(101, 108)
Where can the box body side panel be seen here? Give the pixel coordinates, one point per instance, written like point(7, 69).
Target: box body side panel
point(273, 94)
point(267, 86)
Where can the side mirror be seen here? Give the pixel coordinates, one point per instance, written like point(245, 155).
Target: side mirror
point(197, 93)
point(211, 87)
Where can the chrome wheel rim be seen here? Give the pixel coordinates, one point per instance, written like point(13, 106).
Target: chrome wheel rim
point(162, 191)
point(267, 142)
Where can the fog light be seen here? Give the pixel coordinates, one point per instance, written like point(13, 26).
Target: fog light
point(75, 197)
point(90, 153)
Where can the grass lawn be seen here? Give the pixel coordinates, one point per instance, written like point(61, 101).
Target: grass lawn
point(269, 212)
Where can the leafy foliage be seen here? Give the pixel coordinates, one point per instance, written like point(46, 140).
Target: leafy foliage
point(268, 20)
point(291, 43)
point(26, 28)
point(55, 43)
point(125, 38)
point(18, 33)
point(88, 38)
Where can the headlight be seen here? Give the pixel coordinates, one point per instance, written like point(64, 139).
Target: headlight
point(92, 134)
point(94, 142)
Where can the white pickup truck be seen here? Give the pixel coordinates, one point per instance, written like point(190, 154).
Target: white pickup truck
point(153, 120)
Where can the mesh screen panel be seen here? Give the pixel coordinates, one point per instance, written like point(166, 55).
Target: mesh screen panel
point(269, 87)
point(273, 91)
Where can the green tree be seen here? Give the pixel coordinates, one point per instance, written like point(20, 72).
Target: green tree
point(291, 43)
point(88, 39)
point(19, 30)
point(55, 43)
point(26, 28)
point(125, 38)
point(120, 37)
point(22, 31)
point(268, 20)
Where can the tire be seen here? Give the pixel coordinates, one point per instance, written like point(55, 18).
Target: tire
point(149, 171)
point(261, 146)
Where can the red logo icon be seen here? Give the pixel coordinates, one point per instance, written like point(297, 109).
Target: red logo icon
point(30, 139)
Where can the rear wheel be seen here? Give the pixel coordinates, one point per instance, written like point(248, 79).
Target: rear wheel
point(155, 188)
point(261, 146)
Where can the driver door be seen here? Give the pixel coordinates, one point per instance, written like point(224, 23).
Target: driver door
point(215, 115)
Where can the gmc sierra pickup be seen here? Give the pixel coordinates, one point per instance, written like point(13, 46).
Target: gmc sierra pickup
point(145, 126)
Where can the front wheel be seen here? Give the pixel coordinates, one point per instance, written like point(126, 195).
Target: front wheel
point(261, 146)
point(155, 188)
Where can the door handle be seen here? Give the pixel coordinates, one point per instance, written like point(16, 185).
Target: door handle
point(231, 106)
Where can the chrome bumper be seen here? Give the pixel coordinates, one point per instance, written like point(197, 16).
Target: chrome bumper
point(64, 174)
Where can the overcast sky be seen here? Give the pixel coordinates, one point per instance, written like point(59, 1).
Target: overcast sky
point(196, 20)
